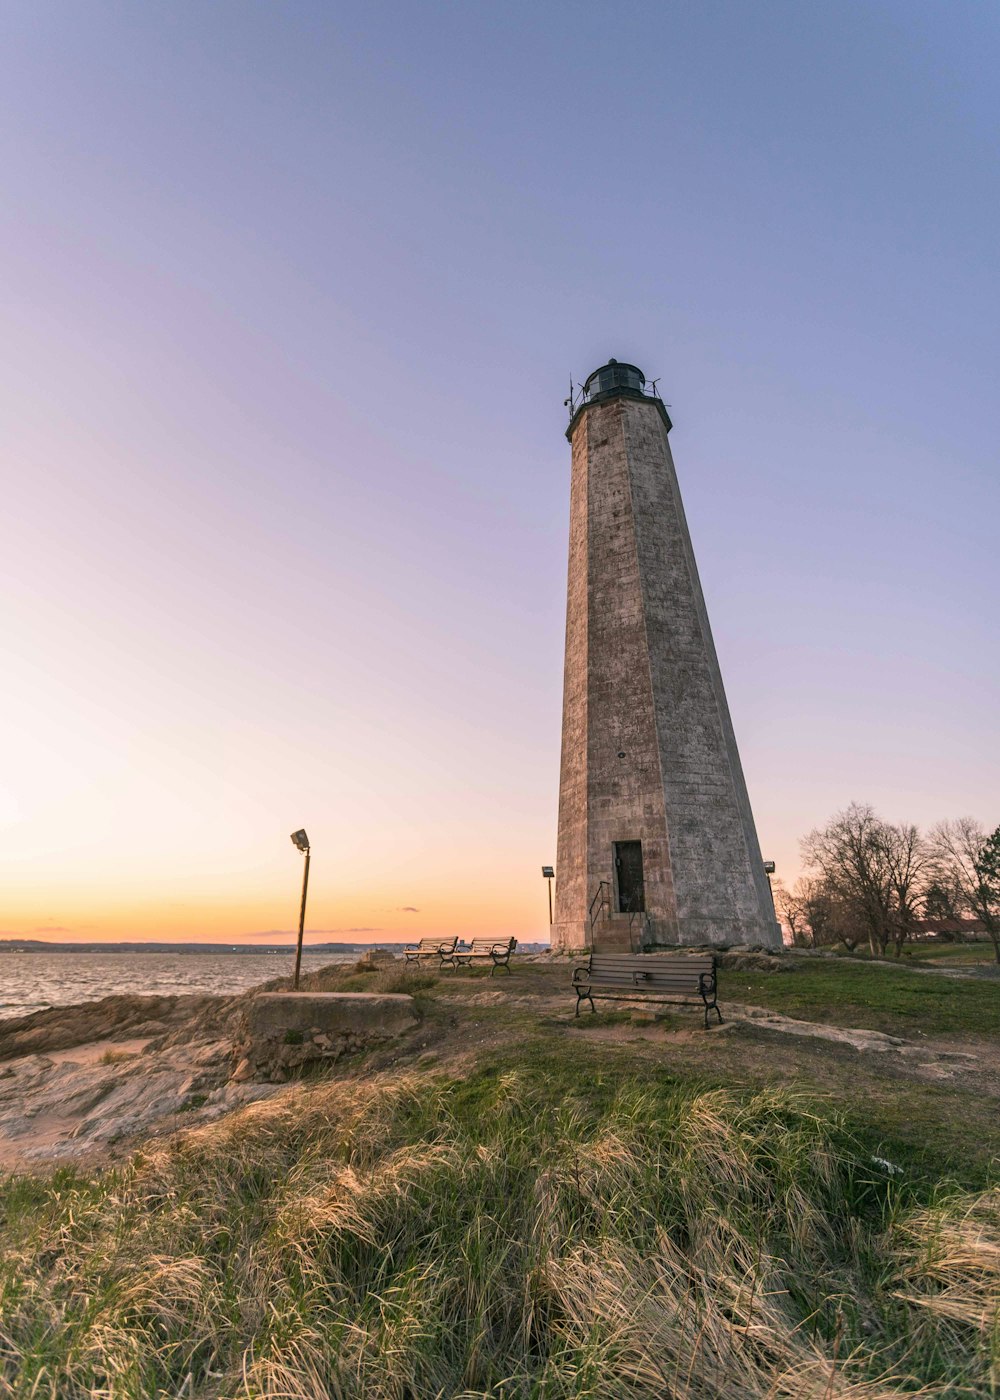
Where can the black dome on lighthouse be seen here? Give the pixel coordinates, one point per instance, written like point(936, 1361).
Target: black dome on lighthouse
point(615, 377)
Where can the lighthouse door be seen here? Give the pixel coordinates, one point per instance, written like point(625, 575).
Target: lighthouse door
point(628, 877)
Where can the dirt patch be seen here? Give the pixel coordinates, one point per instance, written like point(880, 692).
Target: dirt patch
point(974, 1063)
point(99, 1051)
point(619, 1034)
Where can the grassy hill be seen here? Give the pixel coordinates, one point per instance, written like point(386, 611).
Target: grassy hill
point(515, 1204)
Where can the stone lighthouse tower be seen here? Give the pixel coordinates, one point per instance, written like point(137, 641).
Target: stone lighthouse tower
point(657, 844)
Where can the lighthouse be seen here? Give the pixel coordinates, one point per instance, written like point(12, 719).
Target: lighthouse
point(657, 844)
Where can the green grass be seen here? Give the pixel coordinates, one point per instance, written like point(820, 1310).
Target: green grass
point(875, 997)
point(955, 954)
point(942, 1131)
point(545, 1227)
point(978, 953)
point(540, 1212)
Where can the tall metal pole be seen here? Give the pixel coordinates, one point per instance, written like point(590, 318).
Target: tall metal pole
point(548, 873)
point(302, 922)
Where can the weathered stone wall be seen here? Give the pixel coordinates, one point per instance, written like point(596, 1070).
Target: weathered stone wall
point(282, 1032)
point(609, 710)
point(649, 752)
point(572, 883)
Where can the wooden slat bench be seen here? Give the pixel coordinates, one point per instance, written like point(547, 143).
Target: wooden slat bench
point(441, 948)
point(488, 950)
point(647, 977)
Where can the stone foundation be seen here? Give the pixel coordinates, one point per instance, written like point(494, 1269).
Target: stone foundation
point(283, 1032)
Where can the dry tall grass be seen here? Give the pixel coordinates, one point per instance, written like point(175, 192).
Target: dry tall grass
point(420, 1238)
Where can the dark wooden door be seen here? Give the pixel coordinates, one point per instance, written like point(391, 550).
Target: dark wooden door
point(628, 872)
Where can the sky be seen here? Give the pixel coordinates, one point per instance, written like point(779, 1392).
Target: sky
point(291, 298)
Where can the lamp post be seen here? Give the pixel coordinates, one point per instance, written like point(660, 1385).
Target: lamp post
point(549, 874)
point(301, 841)
point(769, 871)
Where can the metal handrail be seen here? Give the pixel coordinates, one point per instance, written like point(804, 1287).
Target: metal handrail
point(603, 899)
point(638, 896)
point(602, 905)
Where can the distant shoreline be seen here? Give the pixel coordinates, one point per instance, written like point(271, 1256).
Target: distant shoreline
point(37, 945)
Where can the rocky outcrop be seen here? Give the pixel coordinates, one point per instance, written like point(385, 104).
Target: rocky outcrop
point(112, 1018)
point(74, 1102)
point(941, 1060)
point(78, 1079)
point(742, 957)
point(753, 960)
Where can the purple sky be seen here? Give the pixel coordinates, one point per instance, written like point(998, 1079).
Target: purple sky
point(292, 295)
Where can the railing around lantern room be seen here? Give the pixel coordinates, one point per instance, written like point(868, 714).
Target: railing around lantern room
point(612, 378)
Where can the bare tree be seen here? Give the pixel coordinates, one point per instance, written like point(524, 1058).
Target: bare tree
point(830, 918)
point(791, 908)
point(851, 854)
point(815, 915)
point(966, 863)
point(905, 855)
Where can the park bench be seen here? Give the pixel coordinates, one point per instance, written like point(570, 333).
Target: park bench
point(441, 948)
point(488, 950)
point(647, 977)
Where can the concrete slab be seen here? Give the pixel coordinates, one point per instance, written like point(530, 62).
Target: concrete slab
point(332, 1013)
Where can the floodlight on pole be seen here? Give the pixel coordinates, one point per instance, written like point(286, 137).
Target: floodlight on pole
point(548, 873)
point(769, 871)
point(301, 842)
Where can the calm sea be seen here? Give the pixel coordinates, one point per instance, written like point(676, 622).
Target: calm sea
point(30, 981)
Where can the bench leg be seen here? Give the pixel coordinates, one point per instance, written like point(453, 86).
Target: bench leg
point(712, 1005)
point(581, 997)
point(709, 995)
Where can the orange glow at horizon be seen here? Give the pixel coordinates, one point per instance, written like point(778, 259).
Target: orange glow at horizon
point(286, 485)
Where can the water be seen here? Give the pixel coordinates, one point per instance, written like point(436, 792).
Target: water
point(30, 981)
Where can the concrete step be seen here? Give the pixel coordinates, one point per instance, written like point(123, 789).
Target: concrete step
point(611, 935)
point(613, 943)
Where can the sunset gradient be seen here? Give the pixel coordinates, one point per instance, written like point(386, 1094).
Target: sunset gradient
point(292, 296)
